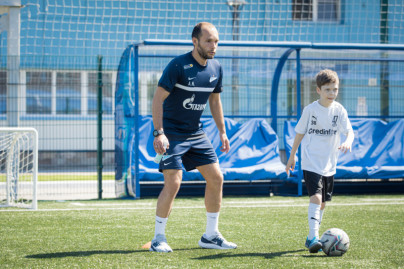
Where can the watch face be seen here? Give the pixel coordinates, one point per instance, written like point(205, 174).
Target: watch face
point(157, 132)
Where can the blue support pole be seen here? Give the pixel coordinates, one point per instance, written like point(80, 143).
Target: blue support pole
point(99, 128)
point(136, 81)
point(298, 112)
point(274, 98)
point(275, 86)
point(266, 44)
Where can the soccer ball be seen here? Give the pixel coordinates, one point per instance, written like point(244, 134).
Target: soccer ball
point(335, 242)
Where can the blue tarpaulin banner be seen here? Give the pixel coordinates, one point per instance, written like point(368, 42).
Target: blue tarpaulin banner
point(253, 155)
point(125, 125)
point(377, 150)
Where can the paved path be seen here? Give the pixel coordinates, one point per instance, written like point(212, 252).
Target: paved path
point(68, 190)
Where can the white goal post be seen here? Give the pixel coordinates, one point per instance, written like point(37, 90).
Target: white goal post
point(18, 167)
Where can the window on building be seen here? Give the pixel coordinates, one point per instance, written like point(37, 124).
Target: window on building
point(106, 93)
point(68, 93)
point(327, 10)
point(3, 92)
point(316, 10)
point(62, 92)
point(302, 10)
point(38, 92)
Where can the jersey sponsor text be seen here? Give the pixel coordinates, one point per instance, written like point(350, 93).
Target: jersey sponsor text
point(187, 104)
point(322, 131)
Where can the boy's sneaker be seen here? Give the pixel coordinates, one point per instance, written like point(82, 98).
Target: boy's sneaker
point(313, 245)
point(216, 242)
point(159, 244)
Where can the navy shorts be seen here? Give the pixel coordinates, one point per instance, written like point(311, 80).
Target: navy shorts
point(188, 153)
point(318, 184)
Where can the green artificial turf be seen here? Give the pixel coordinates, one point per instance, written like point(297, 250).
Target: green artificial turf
point(270, 233)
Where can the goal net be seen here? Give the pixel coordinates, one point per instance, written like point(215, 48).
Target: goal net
point(18, 167)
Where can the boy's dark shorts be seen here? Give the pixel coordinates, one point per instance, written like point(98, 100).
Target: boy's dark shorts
point(188, 153)
point(318, 184)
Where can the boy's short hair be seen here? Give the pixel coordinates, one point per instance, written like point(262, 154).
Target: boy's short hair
point(326, 76)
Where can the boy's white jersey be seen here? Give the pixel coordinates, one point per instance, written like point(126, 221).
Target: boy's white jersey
point(322, 128)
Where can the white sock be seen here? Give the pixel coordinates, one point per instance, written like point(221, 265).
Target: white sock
point(160, 226)
point(321, 217)
point(212, 224)
point(314, 220)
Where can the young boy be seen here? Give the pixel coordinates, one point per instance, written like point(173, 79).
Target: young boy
point(319, 131)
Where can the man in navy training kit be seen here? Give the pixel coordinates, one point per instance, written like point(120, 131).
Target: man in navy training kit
point(187, 83)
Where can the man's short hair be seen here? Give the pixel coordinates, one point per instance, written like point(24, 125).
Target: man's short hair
point(197, 32)
point(326, 76)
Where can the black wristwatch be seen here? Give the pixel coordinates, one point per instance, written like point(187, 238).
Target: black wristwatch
point(157, 132)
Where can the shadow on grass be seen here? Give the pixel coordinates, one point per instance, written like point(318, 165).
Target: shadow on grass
point(80, 253)
point(268, 255)
point(316, 256)
point(222, 255)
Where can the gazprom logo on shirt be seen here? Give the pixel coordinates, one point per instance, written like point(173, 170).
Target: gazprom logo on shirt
point(322, 131)
point(188, 104)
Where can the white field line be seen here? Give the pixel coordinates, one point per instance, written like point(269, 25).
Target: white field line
point(110, 204)
point(258, 205)
point(150, 203)
point(382, 199)
point(230, 203)
point(259, 202)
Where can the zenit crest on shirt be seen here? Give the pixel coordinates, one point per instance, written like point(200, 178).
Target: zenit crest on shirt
point(190, 85)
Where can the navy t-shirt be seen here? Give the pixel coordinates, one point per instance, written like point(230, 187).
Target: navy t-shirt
point(190, 85)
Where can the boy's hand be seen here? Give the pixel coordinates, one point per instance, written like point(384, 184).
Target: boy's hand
point(345, 147)
point(290, 166)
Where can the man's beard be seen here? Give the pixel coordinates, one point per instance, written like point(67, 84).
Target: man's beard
point(203, 53)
